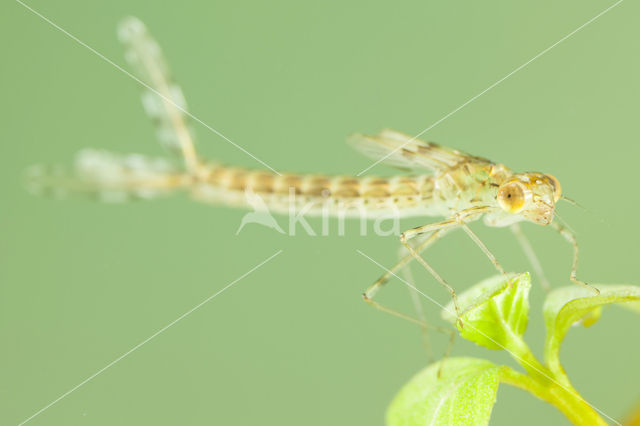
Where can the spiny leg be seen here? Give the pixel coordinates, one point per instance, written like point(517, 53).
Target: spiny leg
point(432, 228)
point(373, 289)
point(415, 296)
point(434, 232)
point(403, 260)
point(531, 255)
point(568, 235)
point(424, 325)
point(417, 306)
point(399, 314)
point(380, 282)
point(459, 220)
point(411, 233)
point(484, 248)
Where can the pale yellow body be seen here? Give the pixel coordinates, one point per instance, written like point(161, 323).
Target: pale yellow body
point(448, 183)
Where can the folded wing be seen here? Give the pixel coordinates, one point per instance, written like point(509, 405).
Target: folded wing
point(405, 152)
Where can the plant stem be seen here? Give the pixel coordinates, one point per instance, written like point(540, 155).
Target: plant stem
point(520, 351)
point(549, 384)
point(562, 396)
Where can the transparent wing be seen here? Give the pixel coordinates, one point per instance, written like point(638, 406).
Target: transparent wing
point(403, 151)
point(162, 99)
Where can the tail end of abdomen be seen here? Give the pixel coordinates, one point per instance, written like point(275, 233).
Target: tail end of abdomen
point(108, 177)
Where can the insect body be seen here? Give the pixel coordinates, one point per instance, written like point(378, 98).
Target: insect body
point(448, 183)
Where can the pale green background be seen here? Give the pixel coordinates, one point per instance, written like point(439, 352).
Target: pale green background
point(293, 343)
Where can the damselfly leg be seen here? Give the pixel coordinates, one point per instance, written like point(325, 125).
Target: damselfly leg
point(370, 293)
point(568, 235)
point(531, 255)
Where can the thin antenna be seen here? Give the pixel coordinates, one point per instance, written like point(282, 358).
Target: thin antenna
point(576, 204)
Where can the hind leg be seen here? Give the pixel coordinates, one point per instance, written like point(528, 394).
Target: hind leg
point(407, 279)
point(373, 289)
point(460, 220)
point(407, 276)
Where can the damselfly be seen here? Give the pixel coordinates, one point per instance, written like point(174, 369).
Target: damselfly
point(459, 187)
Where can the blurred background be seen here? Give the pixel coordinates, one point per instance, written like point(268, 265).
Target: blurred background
point(293, 343)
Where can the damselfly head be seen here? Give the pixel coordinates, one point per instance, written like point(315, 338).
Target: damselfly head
point(530, 195)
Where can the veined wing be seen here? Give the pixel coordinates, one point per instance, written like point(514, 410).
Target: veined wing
point(403, 151)
point(162, 98)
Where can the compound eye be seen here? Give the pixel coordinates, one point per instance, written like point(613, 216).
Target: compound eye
point(557, 189)
point(511, 197)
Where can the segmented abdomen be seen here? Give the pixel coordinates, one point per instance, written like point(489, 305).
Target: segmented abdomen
point(336, 194)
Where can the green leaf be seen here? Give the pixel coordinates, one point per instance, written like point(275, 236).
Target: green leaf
point(571, 305)
point(463, 394)
point(495, 312)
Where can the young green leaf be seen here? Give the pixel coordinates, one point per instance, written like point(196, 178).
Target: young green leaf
point(495, 312)
point(463, 394)
point(571, 305)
